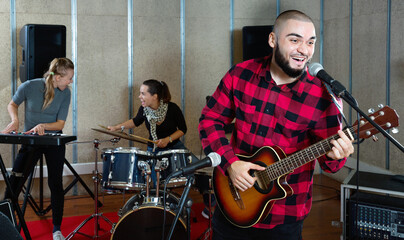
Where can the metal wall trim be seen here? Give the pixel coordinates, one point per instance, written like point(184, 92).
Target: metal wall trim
point(231, 32)
point(321, 31)
point(182, 33)
point(13, 52)
point(182, 38)
point(388, 67)
point(74, 87)
point(130, 63)
point(350, 55)
point(13, 42)
point(278, 7)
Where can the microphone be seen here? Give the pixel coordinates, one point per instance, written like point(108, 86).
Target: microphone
point(317, 70)
point(212, 160)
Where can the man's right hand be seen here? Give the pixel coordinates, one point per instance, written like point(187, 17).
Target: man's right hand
point(239, 174)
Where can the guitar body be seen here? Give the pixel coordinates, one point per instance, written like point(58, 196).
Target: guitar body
point(244, 209)
point(247, 208)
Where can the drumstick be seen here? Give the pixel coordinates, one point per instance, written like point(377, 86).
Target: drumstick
point(101, 126)
point(144, 139)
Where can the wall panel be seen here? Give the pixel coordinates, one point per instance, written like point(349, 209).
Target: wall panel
point(102, 93)
point(5, 70)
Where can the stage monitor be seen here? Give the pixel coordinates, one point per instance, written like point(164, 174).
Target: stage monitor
point(255, 41)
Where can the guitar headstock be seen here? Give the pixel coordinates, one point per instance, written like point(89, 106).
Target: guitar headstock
point(386, 118)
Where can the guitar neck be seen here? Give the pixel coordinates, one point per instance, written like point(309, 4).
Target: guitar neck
point(304, 156)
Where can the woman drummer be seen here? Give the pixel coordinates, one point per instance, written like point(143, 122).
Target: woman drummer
point(164, 119)
point(165, 122)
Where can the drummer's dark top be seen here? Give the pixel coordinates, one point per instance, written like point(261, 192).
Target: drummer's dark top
point(174, 120)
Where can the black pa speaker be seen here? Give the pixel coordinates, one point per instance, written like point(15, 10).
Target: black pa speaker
point(255, 41)
point(8, 225)
point(7, 209)
point(40, 45)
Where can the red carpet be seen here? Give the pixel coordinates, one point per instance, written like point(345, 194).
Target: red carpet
point(41, 230)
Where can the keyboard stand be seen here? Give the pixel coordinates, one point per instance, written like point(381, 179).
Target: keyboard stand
point(39, 209)
point(14, 201)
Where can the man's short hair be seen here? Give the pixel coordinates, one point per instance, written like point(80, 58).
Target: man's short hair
point(288, 15)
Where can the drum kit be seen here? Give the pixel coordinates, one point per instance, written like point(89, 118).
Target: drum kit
point(144, 214)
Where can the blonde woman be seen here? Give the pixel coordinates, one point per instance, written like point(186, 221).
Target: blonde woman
point(47, 103)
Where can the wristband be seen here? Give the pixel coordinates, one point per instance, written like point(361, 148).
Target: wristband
point(171, 140)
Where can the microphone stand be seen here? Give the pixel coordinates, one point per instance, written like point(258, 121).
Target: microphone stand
point(339, 90)
point(184, 196)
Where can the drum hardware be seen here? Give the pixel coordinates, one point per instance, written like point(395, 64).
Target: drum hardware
point(164, 163)
point(157, 169)
point(97, 215)
point(184, 201)
point(146, 171)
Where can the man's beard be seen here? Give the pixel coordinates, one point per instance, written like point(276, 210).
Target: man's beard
point(284, 65)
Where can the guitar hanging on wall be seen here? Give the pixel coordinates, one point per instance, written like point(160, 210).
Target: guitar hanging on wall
point(247, 208)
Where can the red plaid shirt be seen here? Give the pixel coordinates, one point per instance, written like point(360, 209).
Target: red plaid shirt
point(291, 116)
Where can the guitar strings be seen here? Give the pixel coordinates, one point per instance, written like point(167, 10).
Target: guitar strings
point(286, 165)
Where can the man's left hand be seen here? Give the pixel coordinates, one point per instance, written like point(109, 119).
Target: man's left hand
point(342, 147)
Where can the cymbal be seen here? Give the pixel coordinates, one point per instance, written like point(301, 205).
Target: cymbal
point(123, 135)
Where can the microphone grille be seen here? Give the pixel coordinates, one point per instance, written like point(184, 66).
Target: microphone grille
point(314, 68)
point(216, 159)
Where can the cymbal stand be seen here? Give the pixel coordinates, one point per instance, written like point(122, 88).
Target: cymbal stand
point(96, 214)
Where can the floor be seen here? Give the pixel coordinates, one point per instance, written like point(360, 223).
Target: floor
point(322, 223)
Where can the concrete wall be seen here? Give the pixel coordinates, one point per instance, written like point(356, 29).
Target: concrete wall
point(102, 57)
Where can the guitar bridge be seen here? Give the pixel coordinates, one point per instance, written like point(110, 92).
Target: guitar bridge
point(236, 195)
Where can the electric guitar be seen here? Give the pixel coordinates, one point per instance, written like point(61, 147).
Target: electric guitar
point(247, 208)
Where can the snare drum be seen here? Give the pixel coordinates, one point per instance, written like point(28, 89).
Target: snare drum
point(143, 218)
point(177, 159)
point(120, 168)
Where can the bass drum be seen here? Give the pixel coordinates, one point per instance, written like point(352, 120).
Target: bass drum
point(142, 218)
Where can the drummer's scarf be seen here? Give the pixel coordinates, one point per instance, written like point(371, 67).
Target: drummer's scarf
point(155, 116)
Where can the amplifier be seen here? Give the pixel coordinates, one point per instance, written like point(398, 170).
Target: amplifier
point(6, 209)
point(372, 216)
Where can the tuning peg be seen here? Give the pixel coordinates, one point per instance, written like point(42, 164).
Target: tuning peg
point(374, 138)
point(395, 130)
point(371, 110)
point(380, 106)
